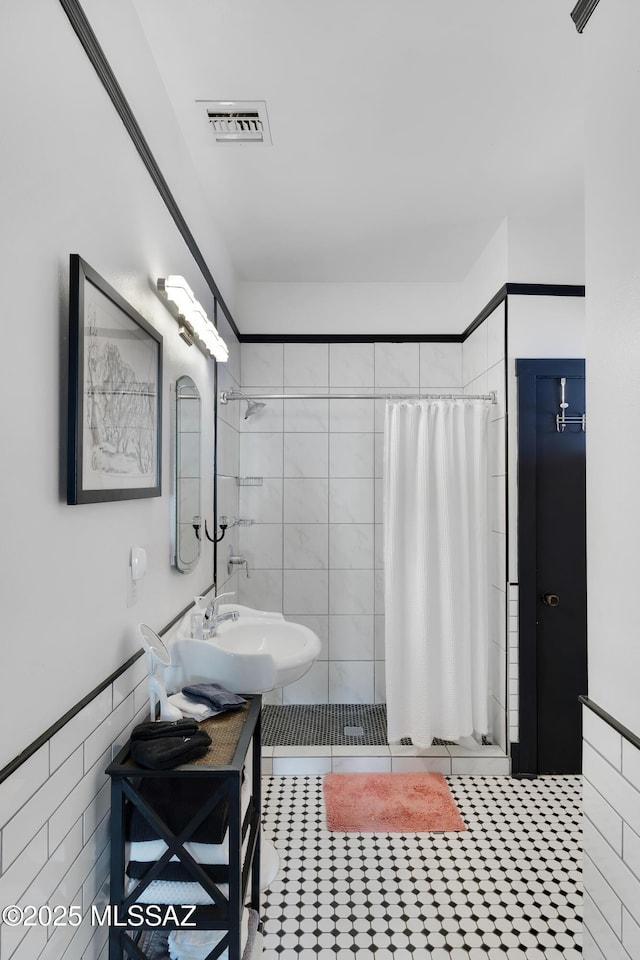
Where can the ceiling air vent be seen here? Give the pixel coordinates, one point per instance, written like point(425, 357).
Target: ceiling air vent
point(238, 121)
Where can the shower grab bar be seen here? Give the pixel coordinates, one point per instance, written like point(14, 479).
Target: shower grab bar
point(225, 396)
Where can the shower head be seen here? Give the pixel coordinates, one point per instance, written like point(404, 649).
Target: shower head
point(252, 407)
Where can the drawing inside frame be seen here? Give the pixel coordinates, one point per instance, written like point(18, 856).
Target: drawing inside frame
point(115, 390)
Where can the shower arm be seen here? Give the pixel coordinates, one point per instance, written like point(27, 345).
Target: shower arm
point(226, 396)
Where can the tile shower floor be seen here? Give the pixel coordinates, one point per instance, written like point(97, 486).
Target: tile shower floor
point(313, 724)
point(319, 738)
point(507, 888)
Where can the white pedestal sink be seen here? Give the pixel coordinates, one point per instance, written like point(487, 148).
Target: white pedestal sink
point(253, 654)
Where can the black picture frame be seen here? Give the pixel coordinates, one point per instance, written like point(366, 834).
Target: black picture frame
point(115, 394)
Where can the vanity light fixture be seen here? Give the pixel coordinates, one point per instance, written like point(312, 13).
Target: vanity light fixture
point(581, 13)
point(194, 323)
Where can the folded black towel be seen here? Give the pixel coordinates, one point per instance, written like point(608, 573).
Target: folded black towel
point(167, 752)
point(176, 800)
point(175, 872)
point(214, 695)
point(153, 730)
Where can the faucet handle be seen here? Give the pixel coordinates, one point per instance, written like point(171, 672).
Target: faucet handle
point(212, 608)
point(219, 596)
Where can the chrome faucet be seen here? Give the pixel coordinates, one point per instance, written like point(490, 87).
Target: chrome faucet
point(210, 624)
point(212, 609)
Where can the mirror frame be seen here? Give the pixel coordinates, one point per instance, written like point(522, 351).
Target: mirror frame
point(182, 531)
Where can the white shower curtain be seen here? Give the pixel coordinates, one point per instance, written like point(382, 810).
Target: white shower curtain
point(435, 569)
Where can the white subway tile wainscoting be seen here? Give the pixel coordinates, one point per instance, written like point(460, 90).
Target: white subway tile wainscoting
point(611, 769)
point(54, 822)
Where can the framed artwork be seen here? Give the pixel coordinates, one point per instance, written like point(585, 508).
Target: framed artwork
point(115, 390)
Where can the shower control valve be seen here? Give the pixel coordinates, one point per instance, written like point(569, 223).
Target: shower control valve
point(237, 561)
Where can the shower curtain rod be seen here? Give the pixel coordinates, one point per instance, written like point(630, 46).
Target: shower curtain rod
point(233, 395)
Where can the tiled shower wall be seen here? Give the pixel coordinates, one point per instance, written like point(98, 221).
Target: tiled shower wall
point(483, 370)
point(315, 547)
point(228, 461)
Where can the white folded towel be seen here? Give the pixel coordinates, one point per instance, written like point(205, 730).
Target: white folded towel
point(179, 891)
point(190, 708)
point(198, 944)
point(256, 950)
point(148, 851)
point(175, 891)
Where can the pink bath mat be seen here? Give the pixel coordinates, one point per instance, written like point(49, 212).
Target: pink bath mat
point(390, 803)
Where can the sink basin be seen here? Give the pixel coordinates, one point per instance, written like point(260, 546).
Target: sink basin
point(291, 646)
point(184, 630)
point(248, 611)
point(250, 655)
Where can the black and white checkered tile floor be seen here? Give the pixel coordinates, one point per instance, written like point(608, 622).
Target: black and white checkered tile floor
point(507, 888)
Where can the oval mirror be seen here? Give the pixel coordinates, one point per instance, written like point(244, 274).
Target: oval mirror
point(186, 542)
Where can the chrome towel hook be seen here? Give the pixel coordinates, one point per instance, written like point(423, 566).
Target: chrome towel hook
point(561, 418)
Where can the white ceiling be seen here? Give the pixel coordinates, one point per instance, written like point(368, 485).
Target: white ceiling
point(403, 131)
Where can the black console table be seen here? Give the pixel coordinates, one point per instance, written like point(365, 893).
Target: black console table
point(215, 780)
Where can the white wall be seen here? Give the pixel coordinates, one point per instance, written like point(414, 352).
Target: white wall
point(612, 836)
point(488, 274)
point(549, 249)
point(72, 182)
point(374, 308)
point(351, 308)
point(613, 355)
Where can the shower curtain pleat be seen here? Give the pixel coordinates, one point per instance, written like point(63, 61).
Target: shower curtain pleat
point(435, 569)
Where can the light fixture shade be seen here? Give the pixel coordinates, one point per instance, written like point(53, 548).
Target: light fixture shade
point(215, 344)
point(177, 290)
point(198, 320)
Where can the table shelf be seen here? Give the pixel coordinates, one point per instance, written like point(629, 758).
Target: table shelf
point(210, 783)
